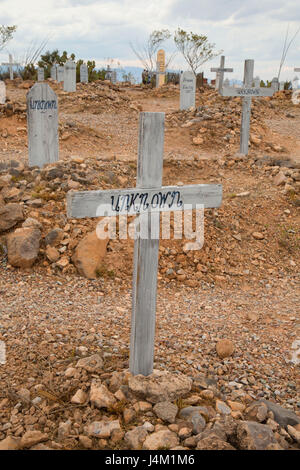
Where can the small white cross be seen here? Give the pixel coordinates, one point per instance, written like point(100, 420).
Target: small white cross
point(10, 65)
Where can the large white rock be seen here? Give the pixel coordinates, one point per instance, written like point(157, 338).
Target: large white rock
point(160, 386)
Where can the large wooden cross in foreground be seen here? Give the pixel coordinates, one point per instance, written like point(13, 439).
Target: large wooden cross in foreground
point(10, 65)
point(247, 92)
point(147, 199)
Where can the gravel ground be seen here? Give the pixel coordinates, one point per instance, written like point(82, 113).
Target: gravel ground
point(47, 322)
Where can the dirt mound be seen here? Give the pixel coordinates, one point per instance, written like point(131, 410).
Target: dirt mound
point(216, 122)
point(232, 252)
point(91, 99)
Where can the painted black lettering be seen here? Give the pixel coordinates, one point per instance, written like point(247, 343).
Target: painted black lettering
point(157, 200)
point(143, 198)
point(163, 198)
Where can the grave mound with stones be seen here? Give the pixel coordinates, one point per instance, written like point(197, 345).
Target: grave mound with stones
point(217, 121)
point(40, 193)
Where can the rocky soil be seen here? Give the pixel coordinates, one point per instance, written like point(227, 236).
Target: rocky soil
point(227, 340)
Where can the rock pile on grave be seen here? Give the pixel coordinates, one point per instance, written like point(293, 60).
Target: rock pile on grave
point(93, 408)
point(216, 123)
point(40, 195)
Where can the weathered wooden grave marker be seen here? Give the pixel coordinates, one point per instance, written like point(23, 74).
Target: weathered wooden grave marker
point(70, 76)
point(187, 90)
point(247, 92)
point(281, 86)
point(108, 73)
point(295, 83)
point(42, 123)
point(256, 82)
point(60, 73)
point(2, 92)
point(113, 77)
point(84, 77)
point(10, 65)
point(160, 68)
point(53, 72)
point(220, 73)
point(40, 74)
point(147, 199)
point(275, 84)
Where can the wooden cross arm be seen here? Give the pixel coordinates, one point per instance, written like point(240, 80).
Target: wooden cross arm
point(81, 204)
point(297, 69)
point(220, 69)
point(247, 92)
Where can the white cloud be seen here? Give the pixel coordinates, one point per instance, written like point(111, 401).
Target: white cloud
point(97, 29)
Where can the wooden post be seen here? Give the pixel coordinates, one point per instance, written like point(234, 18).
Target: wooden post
point(246, 108)
point(149, 174)
point(219, 82)
point(42, 125)
point(145, 200)
point(220, 73)
point(10, 66)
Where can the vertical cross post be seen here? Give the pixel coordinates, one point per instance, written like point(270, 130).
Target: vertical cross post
point(220, 74)
point(246, 108)
point(149, 175)
point(11, 74)
point(10, 64)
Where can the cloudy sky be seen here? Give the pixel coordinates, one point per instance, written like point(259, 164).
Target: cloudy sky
point(101, 29)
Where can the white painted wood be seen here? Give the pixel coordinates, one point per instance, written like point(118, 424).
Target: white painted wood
point(10, 65)
point(81, 204)
point(84, 77)
point(219, 82)
point(70, 76)
point(2, 92)
point(295, 83)
point(40, 74)
point(53, 72)
point(220, 73)
point(149, 174)
point(149, 180)
point(42, 124)
point(246, 107)
point(113, 78)
point(275, 84)
point(256, 82)
point(60, 73)
point(247, 91)
point(187, 90)
point(281, 86)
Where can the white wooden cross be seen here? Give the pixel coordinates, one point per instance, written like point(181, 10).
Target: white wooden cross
point(220, 73)
point(247, 92)
point(275, 84)
point(10, 65)
point(256, 82)
point(295, 83)
point(146, 199)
